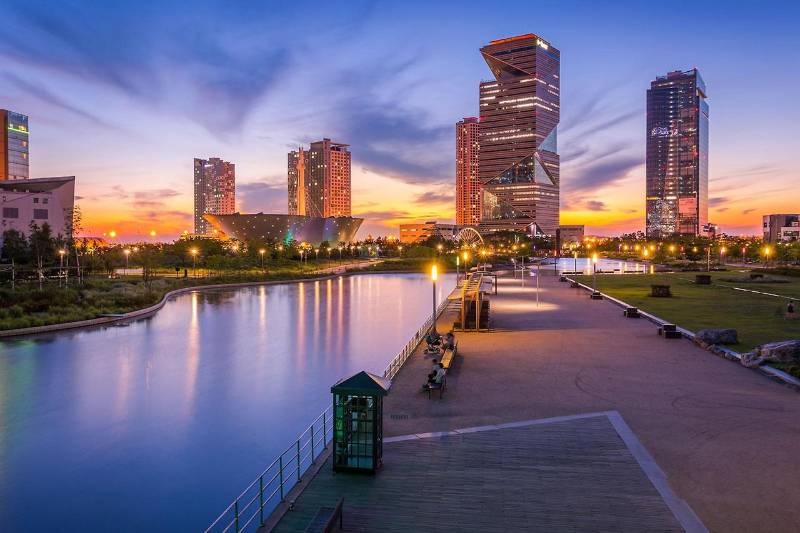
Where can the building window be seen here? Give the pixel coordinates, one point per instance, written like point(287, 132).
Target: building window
point(36, 200)
point(10, 212)
point(40, 214)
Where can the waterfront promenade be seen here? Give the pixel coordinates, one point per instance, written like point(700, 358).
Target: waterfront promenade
point(724, 436)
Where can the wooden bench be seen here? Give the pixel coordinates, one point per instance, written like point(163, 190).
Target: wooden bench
point(326, 518)
point(449, 354)
point(596, 295)
point(669, 331)
point(631, 312)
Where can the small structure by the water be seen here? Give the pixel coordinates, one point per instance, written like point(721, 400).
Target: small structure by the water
point(358, 422)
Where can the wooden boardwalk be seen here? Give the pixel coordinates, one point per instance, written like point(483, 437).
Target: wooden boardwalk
point(564, 475)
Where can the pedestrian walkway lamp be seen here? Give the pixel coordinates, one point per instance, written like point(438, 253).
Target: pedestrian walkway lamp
point(458, 262)
point(127, 258)
point(645, 254)
point(722, 255)
point(465, 256)
point(193, 251)
point(261, 252)
point(594, 272)
point(358, 423)
point(434, 277)
point(575, 258)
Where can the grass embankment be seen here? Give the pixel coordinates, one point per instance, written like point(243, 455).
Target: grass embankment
point(27, 306)
point(757, 318)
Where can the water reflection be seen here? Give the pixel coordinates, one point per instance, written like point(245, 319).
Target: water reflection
point(158, 424)
point(583, 265)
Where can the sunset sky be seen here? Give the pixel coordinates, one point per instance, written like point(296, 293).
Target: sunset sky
point(124, 95)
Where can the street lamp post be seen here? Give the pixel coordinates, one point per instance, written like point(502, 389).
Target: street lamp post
point(127, 253)
point(645, 254)
point(434, 276)
point(458, 262)
point(261, 252)
point(595, 294)
point(575, 259)
point(193, 251)
point(722, 255)
point(61, 265)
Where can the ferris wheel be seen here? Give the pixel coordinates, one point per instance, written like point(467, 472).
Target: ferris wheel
point(469, 237)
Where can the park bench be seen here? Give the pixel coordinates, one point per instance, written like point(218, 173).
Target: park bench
point(326, 518)
point(631, 312)
point(596, 295)
point(669, 331)
point(447, 361)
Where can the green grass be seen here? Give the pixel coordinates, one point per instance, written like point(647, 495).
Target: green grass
point(758, 319)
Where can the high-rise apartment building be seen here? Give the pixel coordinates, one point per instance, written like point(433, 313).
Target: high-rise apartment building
point(214, 191)
point(14, 146)
point(677, 155)
point(468, 187)
point(518, 162)
point(319, 180)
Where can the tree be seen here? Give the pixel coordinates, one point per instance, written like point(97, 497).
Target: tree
point(15, 246)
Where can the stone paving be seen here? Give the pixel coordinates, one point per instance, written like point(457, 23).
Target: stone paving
point(562, 475)
point(726, 437)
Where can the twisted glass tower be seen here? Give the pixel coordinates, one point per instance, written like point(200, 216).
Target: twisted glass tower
point(518, 162)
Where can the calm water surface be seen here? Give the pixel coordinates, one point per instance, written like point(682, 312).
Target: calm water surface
point(159, 424)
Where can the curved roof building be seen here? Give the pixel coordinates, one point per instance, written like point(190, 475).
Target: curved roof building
point(285, 228)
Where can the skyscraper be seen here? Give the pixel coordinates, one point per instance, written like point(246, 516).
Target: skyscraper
point(14, 146)
point(468, 187)
point(214, 191)
point(518, 162)
point(677, 155)
point(319, 180)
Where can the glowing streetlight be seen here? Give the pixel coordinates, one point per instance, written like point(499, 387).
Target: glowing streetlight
point(127, 253)
point(767, 253)
point(575, 258)
point(434, 277)
point(261, 252)
point(194, 252)
point(722, 252)
point(439, 248)
point(594, 272)
point(645, 254)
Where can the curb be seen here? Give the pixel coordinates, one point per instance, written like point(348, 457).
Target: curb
point(772, 373)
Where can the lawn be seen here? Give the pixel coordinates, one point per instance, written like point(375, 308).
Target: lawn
point(757, 318)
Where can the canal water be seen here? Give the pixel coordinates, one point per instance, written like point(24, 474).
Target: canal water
point(159, 424)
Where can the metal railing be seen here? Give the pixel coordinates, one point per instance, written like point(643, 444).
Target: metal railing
point(398, 361)
point(250, 509)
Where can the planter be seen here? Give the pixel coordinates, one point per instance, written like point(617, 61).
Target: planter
point(660, 291)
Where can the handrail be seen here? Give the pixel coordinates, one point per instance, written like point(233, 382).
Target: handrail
point(290, 470)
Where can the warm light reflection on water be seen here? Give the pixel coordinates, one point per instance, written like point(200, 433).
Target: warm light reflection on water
point(158, 424)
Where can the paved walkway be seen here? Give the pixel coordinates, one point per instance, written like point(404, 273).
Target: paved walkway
point(574, 474)
point(726, 437)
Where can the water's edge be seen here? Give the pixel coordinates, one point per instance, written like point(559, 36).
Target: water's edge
point(153, 309)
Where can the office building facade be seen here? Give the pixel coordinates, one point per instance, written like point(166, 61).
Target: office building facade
point(677, 155)
point(518, 162)
point(319, 180)
point(214, 191)
point(410, 233)
point(14, 146)
point(781, 228)
point(468, 185)
point(39, 201)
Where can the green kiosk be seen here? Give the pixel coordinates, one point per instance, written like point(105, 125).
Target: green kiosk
point(358, 422)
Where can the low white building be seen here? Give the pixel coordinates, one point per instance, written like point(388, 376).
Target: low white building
point(38, 200)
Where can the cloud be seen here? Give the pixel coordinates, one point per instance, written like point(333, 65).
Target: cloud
point(192, 63)
point(719, 200)
point(600, 174)
point(431, 197)
point(748, 211)
point(52, 99)
point(596, 205)
point(262, 197)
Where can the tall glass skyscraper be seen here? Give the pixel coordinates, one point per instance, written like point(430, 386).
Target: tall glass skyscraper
point(518, 162)
point(14, 146)
point(214, 191)
point(677, 155)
